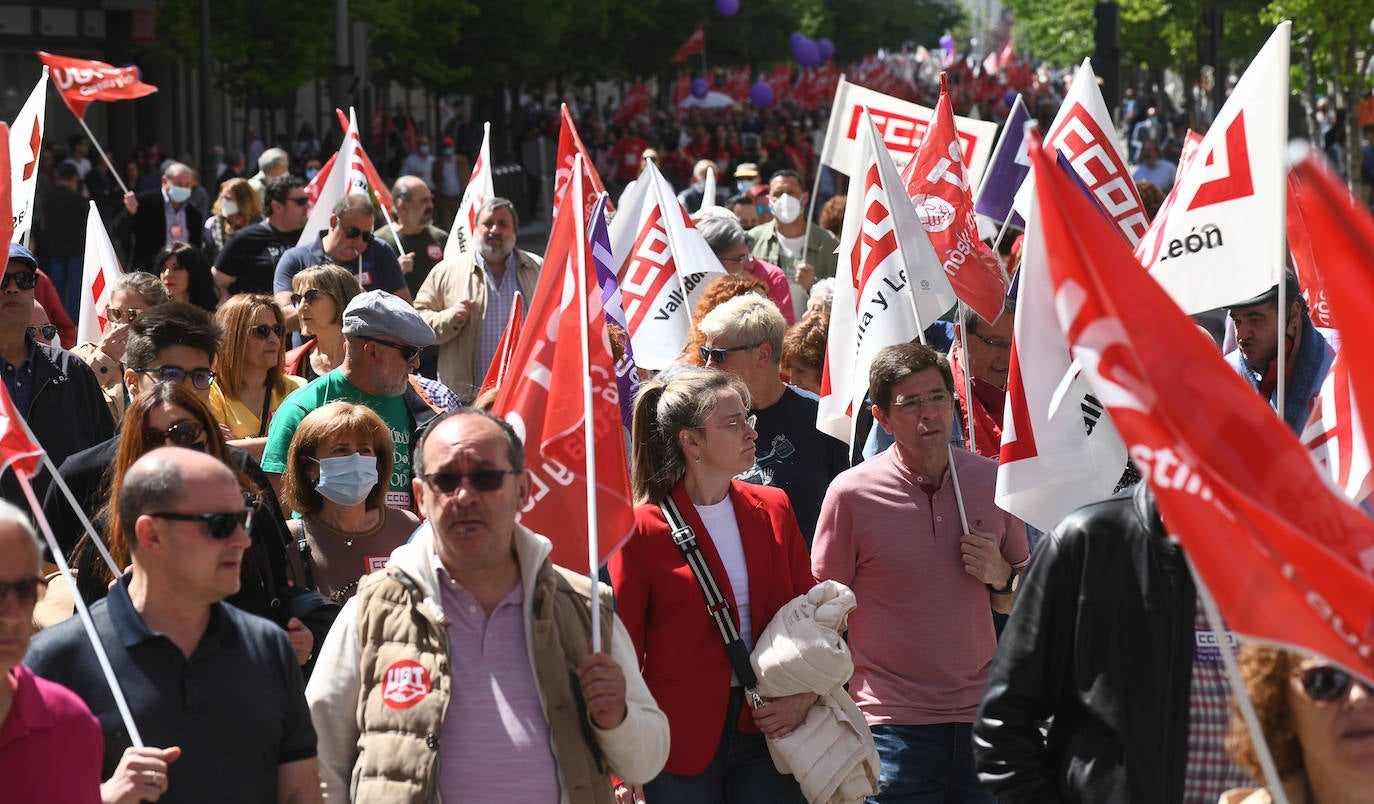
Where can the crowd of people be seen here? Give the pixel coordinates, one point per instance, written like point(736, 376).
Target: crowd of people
point(296, 527)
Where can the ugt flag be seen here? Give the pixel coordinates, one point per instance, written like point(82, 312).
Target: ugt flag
point(83, 81)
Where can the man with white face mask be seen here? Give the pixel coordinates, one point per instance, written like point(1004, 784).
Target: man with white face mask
point(781, 241)
point(152, 220)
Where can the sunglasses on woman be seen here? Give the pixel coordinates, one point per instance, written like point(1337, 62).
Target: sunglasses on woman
point(119, 316)
point(1328, 684)
point(261, 331)
point(310, 296)
point(219, 526)
point(183, 433)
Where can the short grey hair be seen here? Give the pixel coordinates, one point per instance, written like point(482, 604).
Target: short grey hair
point(176, 168)
point(147, 286)
point(14, 515)
point(352, 202)
point(720, 232)
point(272, 159)
point(497, 202)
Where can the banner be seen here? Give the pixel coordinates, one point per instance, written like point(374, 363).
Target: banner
point(889, 285)
point(1222, 240)
point(462, 235)
point(97, 279)
point(80, 82)
point(26, 146)
point(569, 146)
point(901, 124)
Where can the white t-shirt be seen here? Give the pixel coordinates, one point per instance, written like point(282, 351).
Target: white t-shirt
point(791, 246)
point(719, 520)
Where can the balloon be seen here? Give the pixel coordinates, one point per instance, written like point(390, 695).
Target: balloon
point(727, 8)
point(796, 37)
point(947, 43)
point(827, 49)
point(805, 53)
point(700, 87)
point(761, 95)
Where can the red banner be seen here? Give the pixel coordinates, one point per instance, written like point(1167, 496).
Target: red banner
point(505, 348)
point(569, 146)
point(696, 43)
point(82, 81)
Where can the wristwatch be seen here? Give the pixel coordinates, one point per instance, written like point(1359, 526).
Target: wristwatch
point(1013, 583)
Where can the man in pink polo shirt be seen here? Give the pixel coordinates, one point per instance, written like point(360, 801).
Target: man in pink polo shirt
point(922, 636)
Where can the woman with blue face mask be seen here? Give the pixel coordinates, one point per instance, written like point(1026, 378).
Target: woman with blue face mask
point(336, 478)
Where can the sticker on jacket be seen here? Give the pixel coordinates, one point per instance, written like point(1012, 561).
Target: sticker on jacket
point(404, 684)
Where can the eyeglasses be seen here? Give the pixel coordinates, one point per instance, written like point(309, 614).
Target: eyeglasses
point(48, 331)
point(261, 331)
point(310, 296)
point(709, 354)
point(408, 353)
point(118, 316)
point(183, 433)
point(936, 400)
point(26, 589)
point(353, 233)
point(220, 526)
point(300, 200)
point(202, 379)
point(481, 480)
point(733, 425)
point(24, 280)
point(742, 259)
point(994, 344)
point(1328, 684)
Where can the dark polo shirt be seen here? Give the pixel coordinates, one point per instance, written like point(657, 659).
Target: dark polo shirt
point(236, 706)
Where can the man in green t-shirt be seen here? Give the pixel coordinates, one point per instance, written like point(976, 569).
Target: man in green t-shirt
point(384, 336)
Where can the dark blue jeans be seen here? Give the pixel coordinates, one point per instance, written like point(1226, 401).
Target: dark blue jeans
point(928, 765)
point(741, 772)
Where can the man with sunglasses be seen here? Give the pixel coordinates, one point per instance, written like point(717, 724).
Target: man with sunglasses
point(249, 259)
point(1109, 639)
point(464, 670)
point(348, 242)
point(217, 687)
point(53, 389)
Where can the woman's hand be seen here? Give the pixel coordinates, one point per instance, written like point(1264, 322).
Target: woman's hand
point(113, 339)
point(302, 641)
point(779, 717)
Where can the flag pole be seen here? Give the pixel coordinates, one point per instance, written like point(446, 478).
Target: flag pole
point(1283, 339)
point(964, 364)
point(574, 199)
point(118, 179)
point(1238, 692)
point(85, 615)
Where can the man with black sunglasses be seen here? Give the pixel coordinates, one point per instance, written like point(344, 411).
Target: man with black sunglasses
point(348, 242)
point(249, 259)
point(215, 686)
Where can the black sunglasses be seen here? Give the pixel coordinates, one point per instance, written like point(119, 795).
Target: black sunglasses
point(220, 526)
point(202, 379)
point(183, 433)
point(353, 233)
point(24, 280)
point(261, 331)
point(48, 331)
point(1328, 684)
point(481, 480)
point(407, 352)
point(299, 200)
point(708, 354)
point(311, 296)
point(25, 588)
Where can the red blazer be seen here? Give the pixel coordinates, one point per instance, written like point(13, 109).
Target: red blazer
point(658, 599)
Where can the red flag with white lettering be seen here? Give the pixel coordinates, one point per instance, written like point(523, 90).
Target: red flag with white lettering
point(569, 146)
point(16, 448)
point(543, 399)
point(374, 179)
point(1287, 558)
point(80, 82)
point(505, 348)
point(1335, 435)
point(1304, 255)
point(938, 182)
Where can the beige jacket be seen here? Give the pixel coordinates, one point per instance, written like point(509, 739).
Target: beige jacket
point(452, 281)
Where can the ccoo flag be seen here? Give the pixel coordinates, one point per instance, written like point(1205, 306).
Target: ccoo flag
point(478, 190)
point(26, 145)
point(97, 279)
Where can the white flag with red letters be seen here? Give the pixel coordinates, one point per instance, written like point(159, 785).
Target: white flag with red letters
point(462, 236)
point(26, 145)
point(352, 178)
point(97, 279)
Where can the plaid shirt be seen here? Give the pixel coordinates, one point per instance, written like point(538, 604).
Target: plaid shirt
point(500, 299)
point(1210, 771)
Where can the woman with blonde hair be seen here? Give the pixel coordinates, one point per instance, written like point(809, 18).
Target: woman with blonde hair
point(320, 294)
point(131, 294)
point(250, 374)
point(236, 207)
point(332, 479)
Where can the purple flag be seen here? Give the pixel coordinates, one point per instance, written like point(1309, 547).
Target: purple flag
point(1007, 170)
point(626, 373)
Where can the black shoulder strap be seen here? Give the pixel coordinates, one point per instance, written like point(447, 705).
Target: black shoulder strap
point(716, 604)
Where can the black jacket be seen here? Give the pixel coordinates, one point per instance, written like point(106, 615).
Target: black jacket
point(144, 233)
point(1101, 639)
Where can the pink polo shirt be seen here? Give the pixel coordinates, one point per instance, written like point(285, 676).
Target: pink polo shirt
point(778, 289)
point(922, 635)
point(51, 745)
point(495, 743)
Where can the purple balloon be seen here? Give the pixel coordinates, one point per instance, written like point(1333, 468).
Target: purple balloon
point(947, 42)
point(700, 87)
point(827, 49)
point(761, 95)
point(727, 8)
point(805, 52)
point(797, 36)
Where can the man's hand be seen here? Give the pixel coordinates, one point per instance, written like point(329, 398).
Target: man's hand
point(629, 794)
point(983, 560)
point(603, 688)
point(806, 275)
point(140, 776)
point(131, 203)
point(459, 312)
point(407, 262)
point(302, 641)
point(779, 717)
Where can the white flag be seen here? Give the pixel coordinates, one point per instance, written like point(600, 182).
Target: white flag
point(662, 264)
point(1060, 450)
point(462, 235)
point(708, 190)
point(26, 144)
point(889, 284)
point(346, 177)
point(97, 279)
point(1222, 238)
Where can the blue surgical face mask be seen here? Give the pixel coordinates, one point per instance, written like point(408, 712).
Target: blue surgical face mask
point(178, 195)
point(311, 173)
point(424, 150)
point(347, 479)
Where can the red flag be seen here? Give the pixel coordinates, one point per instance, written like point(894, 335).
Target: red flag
point(83, 81)
point(682, 87)
point(636, 103)
point(505, 348)
point(6, 197)
point(737, 86)
point(16, 448)
point(1286, 557)
point(779, 79)
point(1336, 437)
point(696, 43)
point(545, 400)
point(374, 179)
point(1304, 256)
point(569, 146)
point(938, 182)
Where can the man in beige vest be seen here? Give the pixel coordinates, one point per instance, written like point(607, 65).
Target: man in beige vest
point(463, 669)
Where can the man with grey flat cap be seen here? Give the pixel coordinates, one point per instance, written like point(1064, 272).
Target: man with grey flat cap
point(383, 337)
point(1308, 356)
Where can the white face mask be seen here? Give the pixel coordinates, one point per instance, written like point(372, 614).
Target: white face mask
point(228, 207)
point(786, 208)
point(347, 479)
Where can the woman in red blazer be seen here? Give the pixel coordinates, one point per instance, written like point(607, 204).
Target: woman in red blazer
point(692, 435)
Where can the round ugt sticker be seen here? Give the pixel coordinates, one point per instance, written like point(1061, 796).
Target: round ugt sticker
point(404, 684)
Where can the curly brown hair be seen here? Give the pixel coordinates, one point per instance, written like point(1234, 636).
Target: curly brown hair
point(805, 342)
point(832, 214)
point(726, 287)
point(1267, 673)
